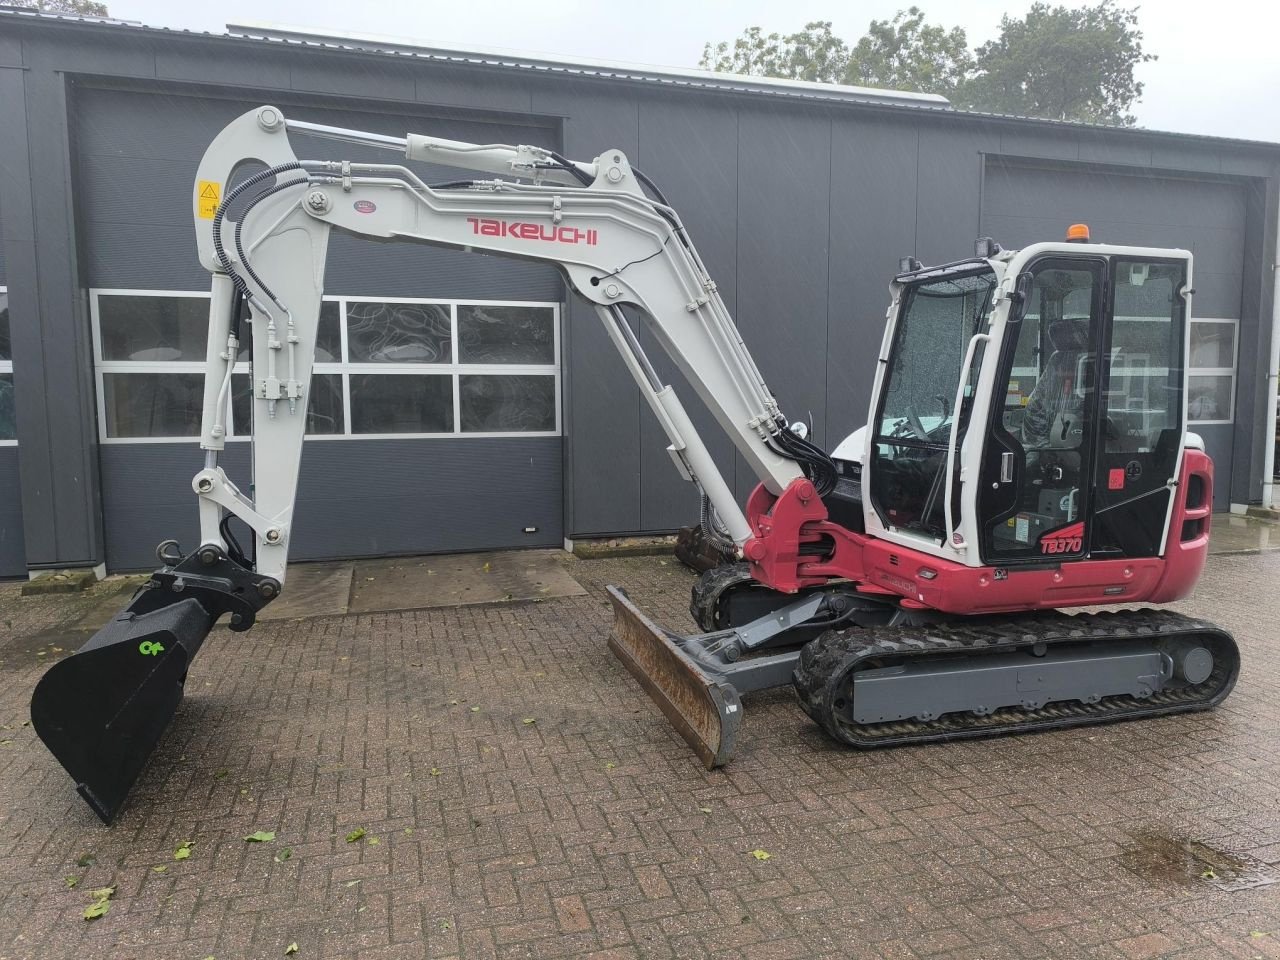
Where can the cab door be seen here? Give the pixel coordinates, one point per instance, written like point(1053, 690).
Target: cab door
point(1036, 479)
point(1141, 427)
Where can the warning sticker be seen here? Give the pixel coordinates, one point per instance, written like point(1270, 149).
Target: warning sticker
point(1022, 532)
point(1115, 478)
point(208, 195)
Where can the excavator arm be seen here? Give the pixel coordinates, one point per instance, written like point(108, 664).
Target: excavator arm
point(264, 236)
point(615, 245)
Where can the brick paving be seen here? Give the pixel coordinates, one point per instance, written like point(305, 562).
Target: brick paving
point(586, 832)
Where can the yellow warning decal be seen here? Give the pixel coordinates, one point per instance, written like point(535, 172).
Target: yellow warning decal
point(208, 195)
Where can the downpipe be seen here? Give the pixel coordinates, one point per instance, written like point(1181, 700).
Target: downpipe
point(1272, 382)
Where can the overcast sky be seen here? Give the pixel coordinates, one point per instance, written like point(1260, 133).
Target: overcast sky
point(1218, 71)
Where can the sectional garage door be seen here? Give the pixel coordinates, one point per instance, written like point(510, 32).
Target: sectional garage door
point(434, 419)
point(1024, 202)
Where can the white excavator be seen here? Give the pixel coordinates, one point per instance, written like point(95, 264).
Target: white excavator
point(1025, 451)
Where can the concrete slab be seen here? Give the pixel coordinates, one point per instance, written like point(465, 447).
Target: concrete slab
point(460, 580)
point(312, 590)
point(1234, 534)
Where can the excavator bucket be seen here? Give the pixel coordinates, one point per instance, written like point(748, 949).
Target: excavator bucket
point(102, 710)
point(704, 709)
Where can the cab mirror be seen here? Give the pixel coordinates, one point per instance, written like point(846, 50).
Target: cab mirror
point(1020, 296)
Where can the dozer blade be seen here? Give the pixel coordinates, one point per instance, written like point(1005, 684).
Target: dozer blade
point(704, 710)
point(102, 710)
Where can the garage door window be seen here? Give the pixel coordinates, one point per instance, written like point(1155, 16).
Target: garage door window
point(1211, 374)
point(385, 367)
point(8, 419)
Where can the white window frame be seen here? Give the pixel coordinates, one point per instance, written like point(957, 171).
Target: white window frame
point(6, 366)
point(1215, 371)
point(454, 369)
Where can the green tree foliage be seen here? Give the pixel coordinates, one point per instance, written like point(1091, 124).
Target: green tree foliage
point(1062, 64)
point(79, 8)
point(1056, 62)
point(814, 53)
point(906, 53)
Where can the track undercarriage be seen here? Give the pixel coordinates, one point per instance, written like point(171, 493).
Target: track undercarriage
point(872, 673)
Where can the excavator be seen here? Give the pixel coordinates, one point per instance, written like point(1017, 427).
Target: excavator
point(1025, 452)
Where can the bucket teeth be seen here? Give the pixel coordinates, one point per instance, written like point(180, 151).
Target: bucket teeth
point(102, 710)
point(705, 711)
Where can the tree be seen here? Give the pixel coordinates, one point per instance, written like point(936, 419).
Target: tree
point(79, 8)
point(814, 53)
point(1062, 64)
point(1055, 62)
point(905, 53)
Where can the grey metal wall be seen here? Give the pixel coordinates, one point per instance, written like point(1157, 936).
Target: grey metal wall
point(356, 498)
point(1026, 201)
point(801, 210)
point(802, 215)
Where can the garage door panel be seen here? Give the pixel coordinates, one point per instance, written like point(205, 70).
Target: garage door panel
point(355, 497)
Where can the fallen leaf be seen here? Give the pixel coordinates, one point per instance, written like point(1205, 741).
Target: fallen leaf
point(485, 568)
point(760, 854)
point(408, 831)
point(260, 836)
point(355, 834)
point(705, 809)
point(86, 860)
point(373, 841)
point(97, 910)
point(293, 947)
point(1209, 874)
point(352, 883)
point(103, 893)
point(475, 709)
point(25, 723)
point(184, 850)
point(435, 771)
point(159, 869)
point(529, 720)
point(453, 703)
point(445, 925)
point(5, 742)
point(221, 774)
point(284, 854)
point(71, 882)
point(610, 765)
point(1256, 933)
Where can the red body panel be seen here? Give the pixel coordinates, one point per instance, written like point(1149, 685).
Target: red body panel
point(783, 524)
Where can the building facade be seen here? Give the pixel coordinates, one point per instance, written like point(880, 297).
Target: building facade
point(470, 402)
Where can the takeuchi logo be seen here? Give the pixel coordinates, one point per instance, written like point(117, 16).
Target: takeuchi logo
point(531, 231)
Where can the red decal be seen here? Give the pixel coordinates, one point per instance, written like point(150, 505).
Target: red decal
point(529, 231)
point(1064, 539)
point(365, 206)
point(1115, 479)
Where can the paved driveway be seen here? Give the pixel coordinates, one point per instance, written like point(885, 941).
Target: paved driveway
point(520, 797)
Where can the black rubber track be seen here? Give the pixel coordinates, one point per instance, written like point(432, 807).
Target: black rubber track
point(823, 675)
point(705, 603)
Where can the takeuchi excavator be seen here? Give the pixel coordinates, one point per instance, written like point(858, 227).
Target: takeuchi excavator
point(1025, 451)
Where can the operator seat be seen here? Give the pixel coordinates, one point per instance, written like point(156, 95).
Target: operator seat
point(1055, 407)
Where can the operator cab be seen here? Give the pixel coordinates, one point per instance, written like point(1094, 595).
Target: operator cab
point(1051, 381)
